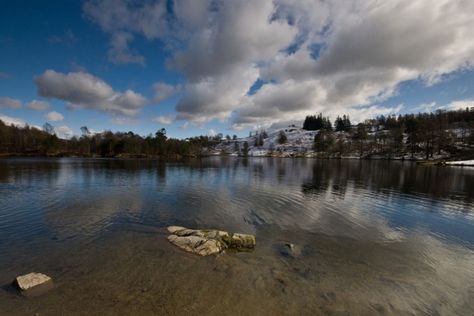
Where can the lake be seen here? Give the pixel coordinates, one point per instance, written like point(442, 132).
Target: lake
point(375, 237)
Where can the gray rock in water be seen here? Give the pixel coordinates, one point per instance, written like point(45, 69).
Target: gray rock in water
point(173, 229)
point(33, 283)
point(206, 242)
point(289, 250)
point(197, 245)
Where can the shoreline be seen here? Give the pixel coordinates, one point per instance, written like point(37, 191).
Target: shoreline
point(437, 162)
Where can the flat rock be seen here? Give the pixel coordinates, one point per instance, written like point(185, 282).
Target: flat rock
point(33, 283)
point(173, 229)
point(197, 245)
point(206, 242)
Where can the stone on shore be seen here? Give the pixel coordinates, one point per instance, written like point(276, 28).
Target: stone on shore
point(206, 242)
point(33, 283)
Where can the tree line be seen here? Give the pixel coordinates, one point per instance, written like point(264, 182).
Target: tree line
point(416, 135)
point(31, 141)
point(424, 134)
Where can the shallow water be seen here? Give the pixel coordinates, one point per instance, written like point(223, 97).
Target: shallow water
point(375, 237)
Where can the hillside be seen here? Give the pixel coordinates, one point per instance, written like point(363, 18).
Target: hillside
point(398, 139)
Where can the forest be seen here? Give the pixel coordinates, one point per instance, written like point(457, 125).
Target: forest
point(429, 134)
point(30, 141)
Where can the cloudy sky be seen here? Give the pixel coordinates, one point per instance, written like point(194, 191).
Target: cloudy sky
point(197, 67)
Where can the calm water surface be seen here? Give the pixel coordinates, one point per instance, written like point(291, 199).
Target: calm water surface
point(375, 237)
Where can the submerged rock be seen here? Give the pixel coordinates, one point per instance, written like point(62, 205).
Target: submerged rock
point(289, 250)
point(206, 242)
point(241, 241)
point(33, 283)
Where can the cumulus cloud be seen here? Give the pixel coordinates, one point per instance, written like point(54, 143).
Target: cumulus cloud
point(38, 105)
point(165, 91)
point(64, 132)
point(6, 102)
point(54, 116)
point(313, 55)
point(163, 119)
point(121, 17)
point(83, 90)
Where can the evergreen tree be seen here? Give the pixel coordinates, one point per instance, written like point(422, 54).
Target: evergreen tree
point(282, 139)
point(343, 124)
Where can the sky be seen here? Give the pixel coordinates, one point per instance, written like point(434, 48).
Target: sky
point(221, 66)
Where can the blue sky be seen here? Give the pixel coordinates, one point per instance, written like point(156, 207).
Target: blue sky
point(229, 66)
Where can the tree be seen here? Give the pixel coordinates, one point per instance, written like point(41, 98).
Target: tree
point(259, 140)
point(360, 136)
point(245, 150)
point(314, 123)
point(323, 140)
point(161, 135)
point(236, 147)
point(160, 138)
point(395, 144)
point(342, 124)
point(412, 129)
point(282, 139)
point(85, 131)
point(442, 135)
point(48, 128)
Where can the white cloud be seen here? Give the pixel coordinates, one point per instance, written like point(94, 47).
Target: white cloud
point(12, 120)
point(6, 102)
point(460, 104)
point(54, 116)
point(64, 132)
point(185, 125)
point(120, 18)
point(426, 107)
point(38, 105)
point(164, 119)
point(165, 91)
point(83, 90)
point(345, 57)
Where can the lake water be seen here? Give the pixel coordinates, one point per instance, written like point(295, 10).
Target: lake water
point(376, 237)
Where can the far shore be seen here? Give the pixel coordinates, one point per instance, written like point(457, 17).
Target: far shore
point(420, 161)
